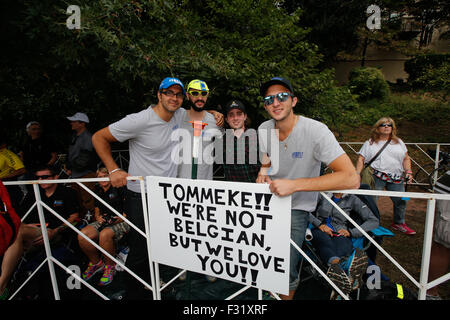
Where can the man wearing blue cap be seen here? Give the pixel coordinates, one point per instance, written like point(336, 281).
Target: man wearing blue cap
point(294, 148)
point(150, 145)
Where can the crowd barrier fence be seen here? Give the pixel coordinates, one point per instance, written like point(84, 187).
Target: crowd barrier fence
point(422, 284)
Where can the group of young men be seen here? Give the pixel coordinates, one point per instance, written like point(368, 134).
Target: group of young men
point(293, 148)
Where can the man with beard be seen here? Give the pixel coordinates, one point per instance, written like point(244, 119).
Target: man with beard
point(197, 93)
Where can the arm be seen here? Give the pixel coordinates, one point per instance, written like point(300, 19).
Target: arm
point(218, 116)
point(343, 177)
point(263, 171)
point(369, 219)
point(15, 173)
point(360, 164)
point(53, 158)
point(98, 217)
point(53, 232)
point(102, 140)
point(407, 167)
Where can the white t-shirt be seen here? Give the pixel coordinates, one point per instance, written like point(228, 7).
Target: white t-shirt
point(150, 143)
point(300, 155)
point(390, 161)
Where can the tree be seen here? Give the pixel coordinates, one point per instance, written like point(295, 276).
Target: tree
point(114, 63)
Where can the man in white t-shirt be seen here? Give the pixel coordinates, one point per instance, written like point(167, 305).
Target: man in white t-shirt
point(294, 148)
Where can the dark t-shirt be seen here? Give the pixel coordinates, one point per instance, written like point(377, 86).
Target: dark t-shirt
point(37, 152)
point(63, 201)
point(115, 197)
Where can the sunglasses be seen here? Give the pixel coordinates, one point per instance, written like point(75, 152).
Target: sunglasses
point(45, 176)
point(197, 93)
point(384, 125)
point(172, 94)
point(282, 96)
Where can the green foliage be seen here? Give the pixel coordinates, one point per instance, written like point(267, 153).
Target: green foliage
point(368, 83)
point(429, 72)
point(435, 79)
point(421, 64)
point(113, 65)
point(413, 107)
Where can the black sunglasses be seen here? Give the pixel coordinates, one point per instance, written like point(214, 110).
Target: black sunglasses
point(384, 125)
point(45, 176)
point(282, 96)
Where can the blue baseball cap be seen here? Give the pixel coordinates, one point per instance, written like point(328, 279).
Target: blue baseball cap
point(276, 80)
point(168, 82)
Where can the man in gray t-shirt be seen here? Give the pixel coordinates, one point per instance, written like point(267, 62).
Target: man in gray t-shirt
point(294, 148)
point(150, 145)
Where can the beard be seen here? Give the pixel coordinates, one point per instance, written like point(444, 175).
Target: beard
point(195, 108)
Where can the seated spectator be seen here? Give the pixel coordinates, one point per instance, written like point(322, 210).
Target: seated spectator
point(107, 229)
point(38, 150)
point(332, 237)
point(332, 233)
point(11, 167)
point(61, 199)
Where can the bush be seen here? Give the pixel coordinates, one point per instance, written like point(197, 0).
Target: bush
point(414, 107)
point(419, 65)
point(368, 83)
point(435, 79)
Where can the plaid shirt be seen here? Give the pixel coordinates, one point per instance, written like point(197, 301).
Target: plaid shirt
point(242, 172)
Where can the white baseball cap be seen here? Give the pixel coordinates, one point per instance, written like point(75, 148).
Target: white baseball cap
point(79, 116)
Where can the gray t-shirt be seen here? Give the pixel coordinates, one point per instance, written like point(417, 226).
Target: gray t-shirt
point(206, 159)
point(81, 145)
point(300, 155)
point(150, 143)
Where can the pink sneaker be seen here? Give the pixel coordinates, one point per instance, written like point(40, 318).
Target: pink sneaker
point(402, 227)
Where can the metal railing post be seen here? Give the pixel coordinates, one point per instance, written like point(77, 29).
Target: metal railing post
point(144, 195)
point(48, 251)
point(426, 251)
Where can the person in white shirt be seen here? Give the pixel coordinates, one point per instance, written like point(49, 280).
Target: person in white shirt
point(392, 167)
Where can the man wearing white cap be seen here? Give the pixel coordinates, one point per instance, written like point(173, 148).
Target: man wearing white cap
point(82, 160)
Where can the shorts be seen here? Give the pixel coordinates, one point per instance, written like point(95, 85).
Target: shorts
point(120, 229)
point(441, 230)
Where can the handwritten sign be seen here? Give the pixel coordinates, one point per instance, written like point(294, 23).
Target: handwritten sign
point(235, 231)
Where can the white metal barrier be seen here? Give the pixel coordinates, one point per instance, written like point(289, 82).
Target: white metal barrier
point(49, 257)
point(422, 283)
point(420, 159)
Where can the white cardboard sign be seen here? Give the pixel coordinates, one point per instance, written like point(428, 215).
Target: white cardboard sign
point(234, 231)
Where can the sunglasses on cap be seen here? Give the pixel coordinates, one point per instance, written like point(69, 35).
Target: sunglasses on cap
point(384, 125)
point(197, 93)
point(282, 96)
